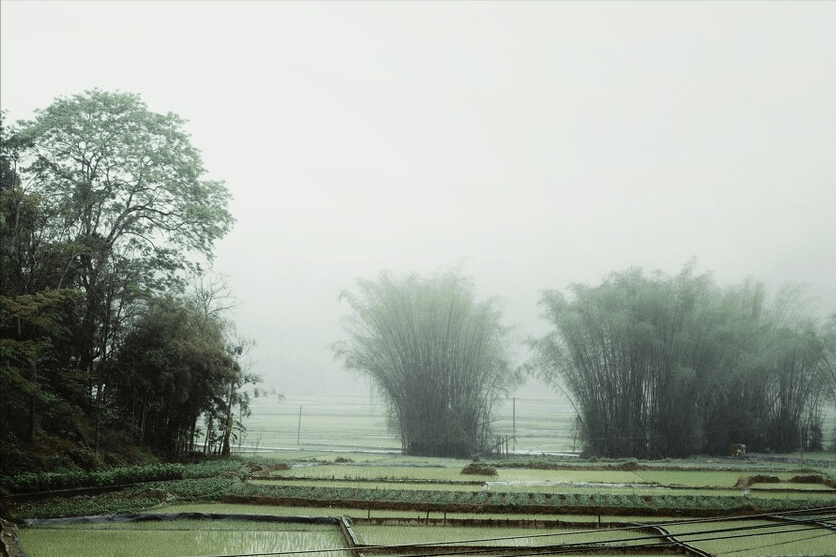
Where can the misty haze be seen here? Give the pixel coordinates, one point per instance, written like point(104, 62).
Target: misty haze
point(569, 243)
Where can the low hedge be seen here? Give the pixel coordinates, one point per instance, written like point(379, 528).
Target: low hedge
point(33, 482)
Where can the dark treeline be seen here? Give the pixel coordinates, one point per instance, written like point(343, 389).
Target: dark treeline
point(105, 346)
point(669, 366)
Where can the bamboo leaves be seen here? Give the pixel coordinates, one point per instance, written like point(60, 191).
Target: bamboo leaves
point(439, 356)
point(666, 366)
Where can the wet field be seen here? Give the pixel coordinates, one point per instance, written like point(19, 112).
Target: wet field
point(525, 425)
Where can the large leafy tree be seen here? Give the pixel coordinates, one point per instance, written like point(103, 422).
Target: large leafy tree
point(103, 206)
point(38, 385)
point(127, 176)
point(128, 205)
point(437, 353)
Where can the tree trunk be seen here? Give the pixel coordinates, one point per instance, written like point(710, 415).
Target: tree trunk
point(31, 432)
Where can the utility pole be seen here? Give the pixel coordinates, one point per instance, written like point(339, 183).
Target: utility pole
point(801, 435)
point(299, 426)
point(514, 423)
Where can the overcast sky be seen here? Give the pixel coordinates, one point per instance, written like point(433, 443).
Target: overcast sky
point(536, 144)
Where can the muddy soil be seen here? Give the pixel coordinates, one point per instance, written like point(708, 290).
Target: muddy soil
point(8, 540)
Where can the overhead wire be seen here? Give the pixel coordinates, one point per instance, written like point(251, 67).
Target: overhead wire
point(776, 544)
point(732, 532)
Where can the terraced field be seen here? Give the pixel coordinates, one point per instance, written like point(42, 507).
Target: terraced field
point(335, 460)
point(391, 505)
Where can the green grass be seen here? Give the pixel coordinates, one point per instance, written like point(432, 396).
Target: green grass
point(403, 472)
point(177, 538)
point(428, 483)
point(525, 537)
point(771, 539)
point(395, 475)
point(190, 537)
point(794, 486)
point(693, 478)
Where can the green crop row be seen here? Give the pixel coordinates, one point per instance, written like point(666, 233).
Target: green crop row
point(510, 500)
point(31, 482)
point(226, 487)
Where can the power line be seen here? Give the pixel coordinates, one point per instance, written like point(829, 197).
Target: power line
point(764, 546)
point(733, 532)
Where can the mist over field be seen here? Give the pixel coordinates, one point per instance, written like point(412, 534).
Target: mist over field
point(622, 211)
point(534, 144)
point(532, 424)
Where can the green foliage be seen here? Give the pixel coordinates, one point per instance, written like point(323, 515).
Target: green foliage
point(439, 355)
point(39, 390)
point(103, 206)
point(573, 488)
point(172, 367)
point(30, 482)
point(212, 467)
point(180, 537)
point(122, 172)
point(667, 366)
